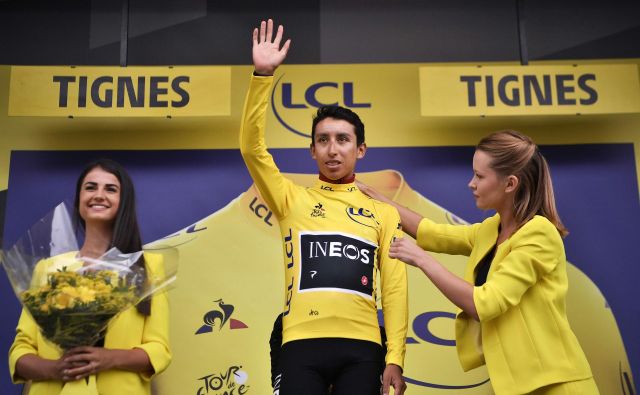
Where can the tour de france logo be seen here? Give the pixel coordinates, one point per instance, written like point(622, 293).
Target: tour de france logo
point(219, 317)
point(318, 211)
point(231, 381)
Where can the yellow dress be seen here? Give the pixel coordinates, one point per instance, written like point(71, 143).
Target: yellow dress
point(128, 330)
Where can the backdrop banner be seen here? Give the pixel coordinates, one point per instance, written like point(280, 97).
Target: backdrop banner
point(194, 193)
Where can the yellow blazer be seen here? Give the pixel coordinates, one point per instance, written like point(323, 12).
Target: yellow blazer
point(128, 330)
point(523, 335)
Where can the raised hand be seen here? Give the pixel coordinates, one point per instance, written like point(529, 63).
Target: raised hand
point(267, 54)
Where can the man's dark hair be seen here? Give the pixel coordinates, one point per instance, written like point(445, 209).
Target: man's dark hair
point(338, 112)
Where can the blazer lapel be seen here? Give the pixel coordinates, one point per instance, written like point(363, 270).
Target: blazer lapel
point(486, 239)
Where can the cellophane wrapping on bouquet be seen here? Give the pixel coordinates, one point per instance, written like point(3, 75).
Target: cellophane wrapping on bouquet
point(73, 298)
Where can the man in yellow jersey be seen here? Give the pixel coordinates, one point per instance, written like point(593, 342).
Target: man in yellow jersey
point(335, 245)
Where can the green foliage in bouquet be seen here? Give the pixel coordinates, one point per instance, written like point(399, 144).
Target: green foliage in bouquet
point(73, 309)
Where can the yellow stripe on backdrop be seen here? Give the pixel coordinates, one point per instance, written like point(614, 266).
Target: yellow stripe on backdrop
point(393, 118)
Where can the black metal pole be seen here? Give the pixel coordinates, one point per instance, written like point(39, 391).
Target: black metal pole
point(522, 36)
point(124, 34)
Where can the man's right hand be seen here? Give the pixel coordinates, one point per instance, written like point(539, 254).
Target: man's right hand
point(268, 55)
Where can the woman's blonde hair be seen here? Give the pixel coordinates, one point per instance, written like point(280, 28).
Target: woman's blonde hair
point(513, 153)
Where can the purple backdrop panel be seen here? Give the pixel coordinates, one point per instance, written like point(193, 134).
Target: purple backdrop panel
point(596, 191)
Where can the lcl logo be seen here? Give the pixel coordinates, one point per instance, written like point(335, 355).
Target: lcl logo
point(341, 93)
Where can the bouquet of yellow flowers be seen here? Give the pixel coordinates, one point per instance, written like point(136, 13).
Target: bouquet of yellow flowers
point(74, 308)
point(73, 298)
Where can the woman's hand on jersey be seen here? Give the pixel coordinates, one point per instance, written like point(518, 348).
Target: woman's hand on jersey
point(392, 377)
point(267, 54)
point(409, 252)
point(372, 193)
point(456, 289)
point(410, 219)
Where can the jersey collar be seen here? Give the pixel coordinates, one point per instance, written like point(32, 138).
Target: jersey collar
point(346, 180)
point(346, 184)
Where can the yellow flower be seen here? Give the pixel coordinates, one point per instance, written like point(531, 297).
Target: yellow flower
point(71, 291)
point(85, 281)
point(86, 295)
point(103, 287)
point(63, 301)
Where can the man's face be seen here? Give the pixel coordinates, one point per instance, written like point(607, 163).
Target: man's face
point(335, 148)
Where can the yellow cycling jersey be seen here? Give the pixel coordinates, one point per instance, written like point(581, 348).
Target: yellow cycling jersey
point(335, 243)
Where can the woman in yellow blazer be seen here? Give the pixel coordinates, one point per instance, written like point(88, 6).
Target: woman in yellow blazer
point(512, 299)
point(136, 345)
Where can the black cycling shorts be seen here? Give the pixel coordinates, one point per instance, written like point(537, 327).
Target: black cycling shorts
point(334, 366)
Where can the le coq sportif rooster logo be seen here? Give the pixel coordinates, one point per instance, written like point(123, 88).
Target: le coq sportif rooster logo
point(219, 317)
